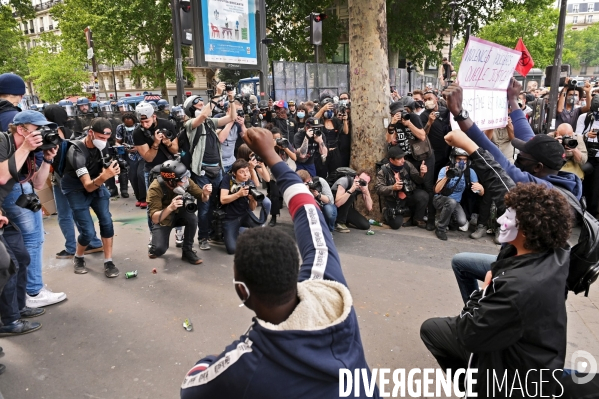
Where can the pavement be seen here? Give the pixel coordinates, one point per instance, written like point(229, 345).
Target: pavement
point(124, 338)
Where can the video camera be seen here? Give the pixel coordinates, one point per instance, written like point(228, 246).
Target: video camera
point(50, 138)
point(258, 196)
point(116, 153)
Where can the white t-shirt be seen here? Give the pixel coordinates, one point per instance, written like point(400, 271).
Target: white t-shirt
point(580, 128)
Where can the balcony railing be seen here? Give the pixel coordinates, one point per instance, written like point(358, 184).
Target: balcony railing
point(41, 29)
point(50, 27)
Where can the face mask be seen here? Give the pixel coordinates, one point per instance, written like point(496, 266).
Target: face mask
point(430, 105)
point(179, 190)
point(301, 115)
point(129, 129)
point(246, 290)
point(508, 226)
point(420, 104)
point(572, 100)
point(260, 116)
point(583, 103)
point(197, 112)
point(461, 165)
point(328, 114)
point(99, 144)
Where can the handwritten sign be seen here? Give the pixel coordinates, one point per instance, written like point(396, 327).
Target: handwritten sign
point(485, 72)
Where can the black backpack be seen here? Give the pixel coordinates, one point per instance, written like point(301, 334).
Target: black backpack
point(60, 160)
point(584, 256)
point(186, 148)
point(339, 173)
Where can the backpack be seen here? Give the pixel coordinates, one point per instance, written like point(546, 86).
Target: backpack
point(60, 160)
point(339, 173)
point(584, 256)
point(186, 148)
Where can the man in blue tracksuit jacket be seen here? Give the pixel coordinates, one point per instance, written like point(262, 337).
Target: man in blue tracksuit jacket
point(305, 329)
point(539, 161)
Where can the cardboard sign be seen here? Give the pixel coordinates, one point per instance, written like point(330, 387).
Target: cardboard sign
point(484, 75)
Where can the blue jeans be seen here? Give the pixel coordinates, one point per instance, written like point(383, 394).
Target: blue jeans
point(468, 268)
point(12, 299)
point(99, 202)
point(330, 215)
point(32, 228)
point(205, 208)
point(231, 230)
point(309, 167)
point(66, 222)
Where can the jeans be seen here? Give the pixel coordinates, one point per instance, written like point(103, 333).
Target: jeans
point(161, 234)
point(66, 222)
point(99, 201)
point(330, 215)
point(137, 178)
point(468, 268)
point(347, 214)
point(231, 230)
point(227, 169)
point(447, 208)
point(12, 299)
point(266, 206)
point(309, 167)
point(205, 208)
point(32, 228)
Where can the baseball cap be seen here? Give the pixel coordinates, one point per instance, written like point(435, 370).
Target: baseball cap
point(33, 117)
point(313, 122)
point(291, 102)
point(100, 124)
point(544, 149)
point(280, 104)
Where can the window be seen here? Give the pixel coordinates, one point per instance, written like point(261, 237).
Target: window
point(583, 69)
point(574, 7)
point(591, 7)
point(589, 19)
point(575, 19)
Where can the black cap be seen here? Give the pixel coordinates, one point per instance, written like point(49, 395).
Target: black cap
point(313, 122)
point(99, 124)
point(544, 149)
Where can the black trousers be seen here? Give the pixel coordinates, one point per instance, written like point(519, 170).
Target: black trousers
point(161, 234)
point(275, 198)
point(417, 203)
point(347, 214)
point(591, 187)
point(429, 181)
point(123, 182)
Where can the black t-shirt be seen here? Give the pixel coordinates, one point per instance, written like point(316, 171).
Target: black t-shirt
point(287, 127)
point(332, 135)
point(298, 140)
point(142, 136)
point(78, 164)
point(211, 151)
point(238, 208)
point(438, 129)
point(403, 134)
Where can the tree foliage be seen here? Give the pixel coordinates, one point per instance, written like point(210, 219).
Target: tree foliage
point(13, 56)
point(136, 31)
point(583, 46)
point(56, 75)
point(286, 24)
point(233, 75)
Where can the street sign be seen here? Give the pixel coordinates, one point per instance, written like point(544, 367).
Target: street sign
point(90, 53)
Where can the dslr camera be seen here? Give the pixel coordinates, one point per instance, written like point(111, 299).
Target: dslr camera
point(317, 131)
point(29, 201)
point(258, 196)
point(315, 185)
point(572, 84)
point(189, 202)
point(453, 172)
point(116, 153)
point(229, 86)
point(50, 138)
point(569, 143)
point(167, 133)
point(282, 142)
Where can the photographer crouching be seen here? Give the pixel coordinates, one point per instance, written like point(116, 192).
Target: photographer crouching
point(396, 182)
point(323, 195)
point(171, 203)
point(239, 198)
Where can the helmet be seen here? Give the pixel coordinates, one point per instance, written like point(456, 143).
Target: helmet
point(154, 105)
point(163, 105)
point(263, 104)
point(144, 110)
point(253, 99)
point(326, 101)
point(82, 100)
point(173, 171)
point(188, 105)
point(177, 112)
point(455, 152)
point(105, 106)
point(68, 106)
point(64, 103)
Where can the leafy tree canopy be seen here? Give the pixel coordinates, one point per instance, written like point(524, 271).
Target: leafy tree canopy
point(13, 56)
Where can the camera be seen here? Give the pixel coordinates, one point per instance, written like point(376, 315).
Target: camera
point(240, 113)
point(317, 131)
point(167, 133)
point(572, 84)
point(569, 142)
point(363, 183)
point(189, 203)
point(282, 142)
point(50, 138)
point(258, 158)
point(405, 115)
point(437, 114)
point(218, 215)
point(229, 87)
point(453, 172)
point(315, 185)
point(258, 196)
point(29, 201)
point(117, 154)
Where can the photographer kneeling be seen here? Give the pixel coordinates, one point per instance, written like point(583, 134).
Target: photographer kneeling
point(239, 198)
point(396, 182)
point(323, 195)
point(171, 204)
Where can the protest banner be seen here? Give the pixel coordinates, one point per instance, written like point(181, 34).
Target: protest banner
point(484, 75)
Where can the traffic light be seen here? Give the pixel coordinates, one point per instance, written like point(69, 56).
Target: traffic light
point(186, 22)
point(315, 27)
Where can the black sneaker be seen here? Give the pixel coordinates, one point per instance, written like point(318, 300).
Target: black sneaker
point(441, 235)
point(28, 312)
point(19, 327)
point(124, 194)
point(79, 265)
point(110, 269)
point(273, 221)
point(90, 250)
point(64, 255)
point(191, 257)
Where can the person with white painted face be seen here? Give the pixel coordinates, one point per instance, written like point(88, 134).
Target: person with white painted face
point(499, 327)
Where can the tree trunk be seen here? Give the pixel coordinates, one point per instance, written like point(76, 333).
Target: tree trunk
point(369, 83)
point(393, 58)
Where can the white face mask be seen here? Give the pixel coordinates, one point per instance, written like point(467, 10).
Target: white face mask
point(99, 144)
point(508, 226)
point(430, 104)
point(198, 112)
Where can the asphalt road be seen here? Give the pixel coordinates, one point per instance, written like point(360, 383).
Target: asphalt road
point(123, 338)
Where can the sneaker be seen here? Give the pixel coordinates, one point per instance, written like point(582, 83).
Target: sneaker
point(441, 235)
point(137, 204)
point(92, 250)
point(19, 327)
point(79, 265)
point(28, 312)
point(151, 255)
point(191, 257)
point(341, 228)
point(430, 225)
point(421, 224)
point(150, 241)
point(179, 238)
point(110, 269)
point(44, 298)
point(273, 221)
point(480, 232)
point(464, 227)
point(124, 194)
point(204, 244)
point(2, 368)
point(64, 255)
point(216, 241)
point(143, 205)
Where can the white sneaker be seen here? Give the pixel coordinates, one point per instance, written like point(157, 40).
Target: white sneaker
point(464, 227)
point(179, 237)
point(44, 298)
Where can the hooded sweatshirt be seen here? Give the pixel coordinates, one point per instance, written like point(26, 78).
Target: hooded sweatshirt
point(523, 131)
point(7, 114)
point(301, 357)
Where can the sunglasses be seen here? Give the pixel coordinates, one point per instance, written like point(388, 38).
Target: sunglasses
point(197, 100)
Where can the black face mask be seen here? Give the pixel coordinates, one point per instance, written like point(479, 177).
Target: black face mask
point(524, 166)
point(395, 168)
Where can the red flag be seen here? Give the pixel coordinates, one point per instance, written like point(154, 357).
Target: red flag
point(526, 62)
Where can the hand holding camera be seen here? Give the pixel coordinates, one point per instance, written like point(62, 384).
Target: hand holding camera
point(220, 87)
point(396, 117)
point(158, 137)
point(176, 203)
point(113, 170)
point(33, 141)
point(50, 154)
point(592, 134)
point(318, 137)
point(432, 117)
point(243, 192)
point(398, 185)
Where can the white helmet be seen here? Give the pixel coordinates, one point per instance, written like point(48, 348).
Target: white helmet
point(144, 110)
point(188, 105)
